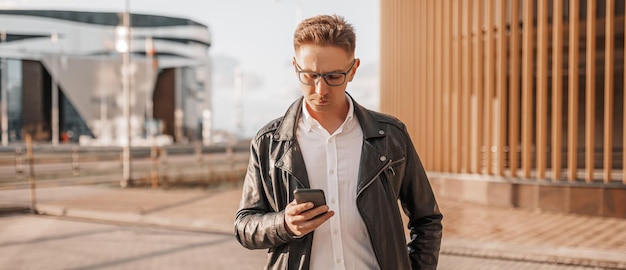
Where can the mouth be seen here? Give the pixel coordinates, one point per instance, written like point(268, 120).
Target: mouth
point(320, 101)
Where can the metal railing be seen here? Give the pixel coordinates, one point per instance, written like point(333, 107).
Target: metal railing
point(154, 166)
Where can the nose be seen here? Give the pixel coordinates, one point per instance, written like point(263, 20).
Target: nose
point(321, 87)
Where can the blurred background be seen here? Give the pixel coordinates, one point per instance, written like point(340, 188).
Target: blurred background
point(127, 123)
point(234, 73)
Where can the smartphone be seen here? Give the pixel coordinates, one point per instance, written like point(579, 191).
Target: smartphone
point(316, 196)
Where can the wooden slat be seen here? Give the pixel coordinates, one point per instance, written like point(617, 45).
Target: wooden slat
point(421, 54)
point(572, 114)
point(542, 89)
point(590, 90)
point(557, 89)
point(478, 84)
point(489, 85)
point(410, 71)
point(430, 81)
point(437, 97)
point(458, 74)
point(608, 88)
point(527, 89)
point(514, 90)
point(502, 93)
point(467, 88)
point(447, 89)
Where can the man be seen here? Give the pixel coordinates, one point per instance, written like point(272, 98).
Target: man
point(363, 160)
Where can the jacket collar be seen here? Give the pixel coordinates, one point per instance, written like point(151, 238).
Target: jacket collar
point(287, 129)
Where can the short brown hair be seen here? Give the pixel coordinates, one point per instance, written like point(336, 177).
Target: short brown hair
point(326, 30)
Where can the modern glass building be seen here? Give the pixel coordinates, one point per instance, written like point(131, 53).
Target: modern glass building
point(63, 74)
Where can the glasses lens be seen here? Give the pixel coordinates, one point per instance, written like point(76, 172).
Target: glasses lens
point(332, 79)
point(335, 79)
point(308, 78)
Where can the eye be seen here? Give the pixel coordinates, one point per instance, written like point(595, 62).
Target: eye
point(335, 77)
point(309, 75)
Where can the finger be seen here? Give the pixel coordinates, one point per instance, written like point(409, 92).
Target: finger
point(312, 224)
point(312, 213)
point(302, 207)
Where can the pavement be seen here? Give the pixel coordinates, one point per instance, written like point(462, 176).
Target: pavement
point(470, 230)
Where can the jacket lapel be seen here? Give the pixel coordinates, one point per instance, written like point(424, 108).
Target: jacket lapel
point(372, 158)
point(291, 159)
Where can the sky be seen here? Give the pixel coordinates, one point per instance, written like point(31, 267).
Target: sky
point(256, 37)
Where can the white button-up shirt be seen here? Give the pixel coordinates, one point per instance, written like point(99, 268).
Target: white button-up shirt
point(332, 164)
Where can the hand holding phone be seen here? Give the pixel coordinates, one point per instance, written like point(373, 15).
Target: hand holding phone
point(298, 220)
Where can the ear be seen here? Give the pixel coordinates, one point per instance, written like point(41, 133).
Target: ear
point(293, 63)
point(354, 68)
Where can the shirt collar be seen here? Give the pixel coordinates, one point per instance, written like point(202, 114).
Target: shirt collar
point(310, 122)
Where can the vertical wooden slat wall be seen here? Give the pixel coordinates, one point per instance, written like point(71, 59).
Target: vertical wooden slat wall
point(514, 89)
point(608, 89)
point(430, 31)
point(542, 88)
point(438, 83)
point(489, 77)
point(557, 88)
point(482, 86)
point(502, 40)
point(477, 73)
point(572, 104)
point(447, 86)
point(590, 90)
point(466, 85)
point(527, 88)
point(458, 82)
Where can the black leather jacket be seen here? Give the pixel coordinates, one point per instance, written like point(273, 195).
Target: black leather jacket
point(390, 170)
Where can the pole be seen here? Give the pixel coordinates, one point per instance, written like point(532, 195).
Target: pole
point(239, 101)
point(55, 93)
point(31, 173)
point(126, 170)
point(4, 110)
point(149, 104)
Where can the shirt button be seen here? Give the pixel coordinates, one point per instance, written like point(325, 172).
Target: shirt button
point(332, 200)
point(332, 171)
point(338, 260)
point(381, 132)
point(383, 158)
point(335, 231)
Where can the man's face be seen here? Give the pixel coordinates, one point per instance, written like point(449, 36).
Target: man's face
point(330, 61)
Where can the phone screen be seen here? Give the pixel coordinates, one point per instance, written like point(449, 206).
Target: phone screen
point(316, 196)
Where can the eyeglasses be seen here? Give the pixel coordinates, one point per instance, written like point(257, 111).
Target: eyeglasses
point(331, 78)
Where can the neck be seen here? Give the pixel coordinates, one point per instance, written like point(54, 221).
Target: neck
point(331, 120)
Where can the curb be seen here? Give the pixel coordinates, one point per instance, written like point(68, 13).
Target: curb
point(137, 219)
point(14, 209)
point(515, 252)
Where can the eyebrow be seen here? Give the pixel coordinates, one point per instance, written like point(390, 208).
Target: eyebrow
point(335, 71)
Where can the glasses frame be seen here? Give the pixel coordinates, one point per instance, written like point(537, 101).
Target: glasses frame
point(323, 75)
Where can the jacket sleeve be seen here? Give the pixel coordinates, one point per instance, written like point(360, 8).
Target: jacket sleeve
point(257, 224)
point(420, 205)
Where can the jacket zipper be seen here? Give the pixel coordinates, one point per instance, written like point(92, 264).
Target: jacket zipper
point(370, 181)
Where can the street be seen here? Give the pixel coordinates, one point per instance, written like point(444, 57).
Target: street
point(43, 242)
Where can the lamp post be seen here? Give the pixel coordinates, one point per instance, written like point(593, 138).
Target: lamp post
point(4, 110)
point(54, 38)
point(126, 165)
point(149, 44)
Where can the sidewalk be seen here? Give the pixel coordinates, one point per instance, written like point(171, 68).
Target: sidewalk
point(469, 230)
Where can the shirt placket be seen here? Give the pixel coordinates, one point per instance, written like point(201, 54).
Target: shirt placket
point(333, 197)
